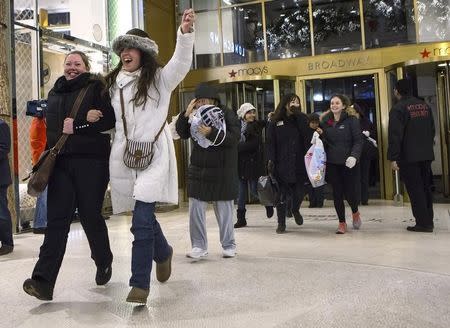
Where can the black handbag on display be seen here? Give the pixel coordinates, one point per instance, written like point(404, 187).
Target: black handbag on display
point(268, 191)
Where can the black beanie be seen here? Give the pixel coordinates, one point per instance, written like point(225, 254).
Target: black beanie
point(403, 87)
point(206, 91)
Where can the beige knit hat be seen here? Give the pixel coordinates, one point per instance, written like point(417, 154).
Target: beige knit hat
point(244, 109)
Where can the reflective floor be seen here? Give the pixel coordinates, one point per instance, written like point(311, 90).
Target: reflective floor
point(380, 276)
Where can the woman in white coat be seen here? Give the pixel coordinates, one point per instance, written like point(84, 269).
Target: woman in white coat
point(145, 87)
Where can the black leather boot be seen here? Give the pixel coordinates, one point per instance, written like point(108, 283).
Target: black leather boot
point(241, 221)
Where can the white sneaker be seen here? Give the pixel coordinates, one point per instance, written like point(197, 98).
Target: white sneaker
point(228, 253)
point(197, 253)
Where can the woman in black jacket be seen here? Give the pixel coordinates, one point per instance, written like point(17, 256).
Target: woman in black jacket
point(80, 175)
point(249, 159)
point(287, 146)
point(343, 143)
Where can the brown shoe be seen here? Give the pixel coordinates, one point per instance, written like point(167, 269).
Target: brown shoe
point(342, 228)
point(164, 269)
point(138, 295)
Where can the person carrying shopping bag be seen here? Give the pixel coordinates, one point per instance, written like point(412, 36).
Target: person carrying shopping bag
point(340, 131)
point(142, 163)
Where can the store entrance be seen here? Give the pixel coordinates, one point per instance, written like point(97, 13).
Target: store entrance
point(362, 92)
point(431, 83)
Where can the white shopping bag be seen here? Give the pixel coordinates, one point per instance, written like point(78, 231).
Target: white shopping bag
point(315, 162)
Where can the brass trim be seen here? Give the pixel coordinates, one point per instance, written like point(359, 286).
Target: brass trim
point(400, 73)
point(380, 84)
point(442, 101)
point(263, 13)
point(416, 21)
point(363, 28)
point(276, 93)
point(311, 28)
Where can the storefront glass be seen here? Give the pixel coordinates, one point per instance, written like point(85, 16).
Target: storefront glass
point(207, 40)
point(337, 26)
point(288, 29)
point(434, 20)
point(242, 32)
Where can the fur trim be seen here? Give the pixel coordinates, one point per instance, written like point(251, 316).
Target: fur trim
point(133, 41)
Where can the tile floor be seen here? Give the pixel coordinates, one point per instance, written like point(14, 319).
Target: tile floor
point(380, 276)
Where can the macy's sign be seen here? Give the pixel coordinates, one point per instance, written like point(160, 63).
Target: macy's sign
point(249, 71)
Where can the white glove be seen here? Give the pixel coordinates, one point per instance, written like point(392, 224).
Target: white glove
point(350, 162)
point(366, 133)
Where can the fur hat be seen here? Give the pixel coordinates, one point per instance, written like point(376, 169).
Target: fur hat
point(206, 91)
point(135, 38)
point(244, 109)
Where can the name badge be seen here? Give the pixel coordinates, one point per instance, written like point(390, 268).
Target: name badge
point(280, 123)
point(341, 127)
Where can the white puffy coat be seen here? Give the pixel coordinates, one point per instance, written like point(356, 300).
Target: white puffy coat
point(159, 182)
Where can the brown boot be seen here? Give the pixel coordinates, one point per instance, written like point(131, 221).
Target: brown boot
point(164, 269)
point(138, 295)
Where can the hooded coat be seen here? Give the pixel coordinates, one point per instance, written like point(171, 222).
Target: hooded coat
point(158, 182)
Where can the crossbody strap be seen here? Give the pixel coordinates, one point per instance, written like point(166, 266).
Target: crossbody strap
point(73, 113)
point(124, 121)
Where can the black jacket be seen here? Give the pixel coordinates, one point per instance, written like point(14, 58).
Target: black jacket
point(411, 131)
point(87, 139)
point(5, 147)
point(341, 139)
point(287, 144)
point(250, 161)
point(212, 172)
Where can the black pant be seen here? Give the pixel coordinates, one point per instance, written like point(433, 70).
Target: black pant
point(293, 194)
point(75, 183)
point(345, 183)
point(365, 176)
point(315, 195)
point(5, 218)
point(416, 177)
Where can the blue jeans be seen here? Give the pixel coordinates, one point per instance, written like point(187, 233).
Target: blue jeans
point(149, 244)
point(243, 191)
point(40, 215)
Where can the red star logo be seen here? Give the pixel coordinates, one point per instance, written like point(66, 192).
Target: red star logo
point(232, 73)
point(425, 53)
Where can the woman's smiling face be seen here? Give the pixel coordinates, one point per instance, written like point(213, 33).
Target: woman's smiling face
point(131, 59)
point(74, 66)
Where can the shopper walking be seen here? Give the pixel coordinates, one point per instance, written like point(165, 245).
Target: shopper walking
point(342, 137)
point(410, 150)
point(288, 142)
point(249, 159)
point(141, 89)
point(80, 175)
point(38, 142)
point(212, 173)
point(6, 237)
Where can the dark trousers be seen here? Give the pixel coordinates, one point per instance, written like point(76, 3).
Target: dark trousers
point(345, 183)
point(75, 183)
point(315, 196)
point(416, 177)
point(365, 176)
point(243, 191)
point(149, 244)
point(290, 194)
point(5, 218)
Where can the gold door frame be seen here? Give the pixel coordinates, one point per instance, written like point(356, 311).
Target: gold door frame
point(382, 112)
point(443, 99)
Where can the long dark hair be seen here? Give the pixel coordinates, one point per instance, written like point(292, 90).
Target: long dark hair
point(150, 65)
point(280, 111)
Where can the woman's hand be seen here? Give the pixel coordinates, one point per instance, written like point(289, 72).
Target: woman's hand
point(319, 131)
point(68, 126)
point(94, 115)
point(188, 21)
point(204, 129)
point(190, 107)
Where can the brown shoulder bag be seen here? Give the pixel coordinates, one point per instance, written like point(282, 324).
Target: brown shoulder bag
point(42, 170)
point(138, 154)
